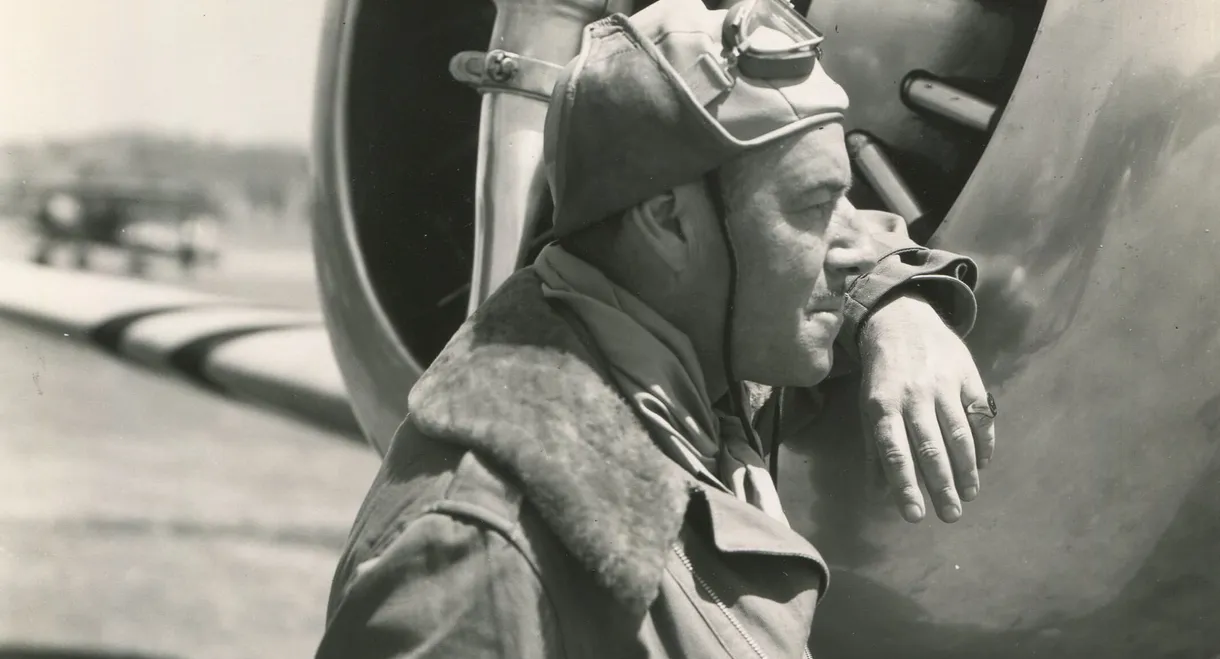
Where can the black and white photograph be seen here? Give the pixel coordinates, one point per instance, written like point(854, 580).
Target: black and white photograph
point(609, 329)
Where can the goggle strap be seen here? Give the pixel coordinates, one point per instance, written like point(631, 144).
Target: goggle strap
point(707, 79)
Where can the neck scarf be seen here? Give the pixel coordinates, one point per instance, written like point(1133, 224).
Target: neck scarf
point(654, 365)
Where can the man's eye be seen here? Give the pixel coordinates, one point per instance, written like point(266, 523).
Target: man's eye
point(827, 206)
point(819, 207)
point(821, 210)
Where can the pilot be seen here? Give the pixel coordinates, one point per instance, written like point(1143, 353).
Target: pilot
point(579, 473)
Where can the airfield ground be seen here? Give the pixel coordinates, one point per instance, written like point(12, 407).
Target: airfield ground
point(141, 517)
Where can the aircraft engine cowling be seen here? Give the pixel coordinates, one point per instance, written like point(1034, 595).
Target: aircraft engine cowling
point(428, 192)
point(1067, 146)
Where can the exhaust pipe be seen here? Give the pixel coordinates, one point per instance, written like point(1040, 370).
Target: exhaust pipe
point(531, 42)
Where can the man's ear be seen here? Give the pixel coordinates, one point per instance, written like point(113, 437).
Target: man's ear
point(660, 226)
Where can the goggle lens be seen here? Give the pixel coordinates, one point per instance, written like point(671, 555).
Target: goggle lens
point(770, 40)
point(773, 26)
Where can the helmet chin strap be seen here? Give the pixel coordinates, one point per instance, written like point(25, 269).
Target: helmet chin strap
point(737, 406)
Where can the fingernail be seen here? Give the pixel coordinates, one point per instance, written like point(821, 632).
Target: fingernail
point(983, 462)
point(970, 493)
point(950, 512)
point(912, 512)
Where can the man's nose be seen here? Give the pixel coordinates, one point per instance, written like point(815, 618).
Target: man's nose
point(851, 251)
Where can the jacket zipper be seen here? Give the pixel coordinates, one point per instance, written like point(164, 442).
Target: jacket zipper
point(725, 609)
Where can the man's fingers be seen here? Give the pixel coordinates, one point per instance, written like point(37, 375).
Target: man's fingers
point(980, 412)
point(959, 440)
point(875, 485)
point(924, 430)
point(894, 453)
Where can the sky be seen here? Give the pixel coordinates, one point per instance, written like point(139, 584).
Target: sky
point(234, 70)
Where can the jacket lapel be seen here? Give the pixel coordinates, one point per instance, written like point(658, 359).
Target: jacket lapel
point(517, 385)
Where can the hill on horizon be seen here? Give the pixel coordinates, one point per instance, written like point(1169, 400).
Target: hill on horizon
point(247, 179)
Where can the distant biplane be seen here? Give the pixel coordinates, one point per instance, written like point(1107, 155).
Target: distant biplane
point(144, 219)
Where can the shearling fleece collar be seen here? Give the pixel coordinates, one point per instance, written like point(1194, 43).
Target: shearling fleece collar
point(517, 385)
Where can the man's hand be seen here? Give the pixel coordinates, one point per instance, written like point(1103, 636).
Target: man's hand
point(923, 403)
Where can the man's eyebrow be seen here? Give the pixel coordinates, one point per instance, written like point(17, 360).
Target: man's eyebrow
point(836, 186)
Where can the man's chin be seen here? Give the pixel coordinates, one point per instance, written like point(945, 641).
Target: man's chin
point(808, 361)
point(810, 370)
point(820, 370)
point(818, 358)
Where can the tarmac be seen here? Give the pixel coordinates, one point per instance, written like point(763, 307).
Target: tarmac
point(144, 517)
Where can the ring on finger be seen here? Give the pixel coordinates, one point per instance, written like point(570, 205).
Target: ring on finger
point(985, 408)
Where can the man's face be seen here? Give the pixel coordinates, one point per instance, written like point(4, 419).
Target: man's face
point(796, 246)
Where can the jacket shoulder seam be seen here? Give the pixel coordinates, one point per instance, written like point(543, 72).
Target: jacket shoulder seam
point(512, 534)
point(475, 512)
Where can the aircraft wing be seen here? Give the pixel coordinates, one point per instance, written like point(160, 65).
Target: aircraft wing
point(274, 358)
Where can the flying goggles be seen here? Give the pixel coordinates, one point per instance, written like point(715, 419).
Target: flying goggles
point(769, 39)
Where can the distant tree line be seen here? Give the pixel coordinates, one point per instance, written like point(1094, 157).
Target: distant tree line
point(246, 179)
